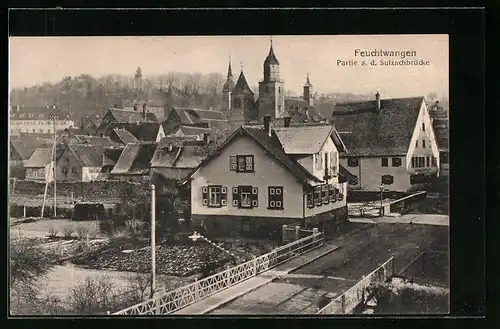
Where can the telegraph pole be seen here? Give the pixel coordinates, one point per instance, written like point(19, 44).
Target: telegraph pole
point(153, 242)
point(54, 163)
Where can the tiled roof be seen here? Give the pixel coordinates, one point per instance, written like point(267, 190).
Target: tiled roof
point(111, 155)
point(241, 86)
point(300, 111)
point(273, 148)
point(368, 132)
point(25, 146)
point(40, 158)
point(94, 140)
point(143, 131)
point(303, 140)
point(125, 136)
point(189, 116)
point(191, 131)
point(124, 116)
point(89, 155)
point(135, 159)
point(185, 153)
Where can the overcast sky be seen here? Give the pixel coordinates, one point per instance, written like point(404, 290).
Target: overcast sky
point(40, 59)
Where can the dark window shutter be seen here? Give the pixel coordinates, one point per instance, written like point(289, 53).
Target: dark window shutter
point(233, 163)
point(255, 197)
point(204, 195)
point(317, 196)
point(223, 196)
point(236, 196)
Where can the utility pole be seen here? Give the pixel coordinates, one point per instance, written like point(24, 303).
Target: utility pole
point(153, 241)
point(381, 202)
point(54, 163)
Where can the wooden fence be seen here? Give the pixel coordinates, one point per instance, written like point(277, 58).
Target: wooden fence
point(351, 298)
point(181, 297)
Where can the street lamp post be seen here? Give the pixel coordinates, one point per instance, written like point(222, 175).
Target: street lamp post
point(381, 200)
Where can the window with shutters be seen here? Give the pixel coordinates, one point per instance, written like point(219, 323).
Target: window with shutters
point(214, 196)
point(324, 194)
point(241, 163)
point(317, 196)
point(352, 162)
point(65, 170)
point(275, 197)
point(423, 143)
point(396, 162)
point(319, 161)
point(385, 162)
point(331, 193)
point(245, 197)
point(310, 200)
point(427, 161)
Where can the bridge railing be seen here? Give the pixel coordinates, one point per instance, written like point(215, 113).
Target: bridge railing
point(351, 298)
point(181, 297)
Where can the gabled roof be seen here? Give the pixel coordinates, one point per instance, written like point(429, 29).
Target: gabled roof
point(40, 158)
point(111, 155)
point(135, 159)
point(94, 140)
point(241, 86)
point(192, 131)
point(368, 132)
point(143, 131)
point(124, 116)
point(183, 153)
point(303, 140)
point(273, 148)
point(125, 136)
point(190, 116)
point(23, 147)
point(88, 155)
point(301, 111)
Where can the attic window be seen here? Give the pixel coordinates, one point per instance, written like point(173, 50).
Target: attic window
point(352, 162)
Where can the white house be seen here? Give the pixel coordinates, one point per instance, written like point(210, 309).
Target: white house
point(262, 177)
point(389, 142)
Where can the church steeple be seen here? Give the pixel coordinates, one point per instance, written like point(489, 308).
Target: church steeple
point(271, 66)
point(229, 71)
point(308, 92)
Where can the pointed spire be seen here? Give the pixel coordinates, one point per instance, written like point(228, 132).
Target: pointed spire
point(271, 57)
point(308, 83)
point(229, 70)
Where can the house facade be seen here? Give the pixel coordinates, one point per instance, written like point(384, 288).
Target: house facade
point(261, 179)
point(39, 165)
point(79, 163)
point(390, 143)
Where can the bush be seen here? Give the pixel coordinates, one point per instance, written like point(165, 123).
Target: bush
point(52, 230)
point(134, 226)
point(139, 286)
point(82, 232)
point(68, 231)
point(93, 296)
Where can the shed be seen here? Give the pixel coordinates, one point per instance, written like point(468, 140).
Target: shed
point(88, 211)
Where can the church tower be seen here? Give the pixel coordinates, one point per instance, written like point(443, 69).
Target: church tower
point(227, 89)
point(271, 88)
point(242, 101)
point(308, 92)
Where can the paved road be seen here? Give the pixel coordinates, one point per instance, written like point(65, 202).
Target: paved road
point(361, 252)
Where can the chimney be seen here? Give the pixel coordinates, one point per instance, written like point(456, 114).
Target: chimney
point(144, 111)
point(135, 107)
point(267, 124)
point(205, 138)
point(377, 100)
point(288, 120)
point(437, 105)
